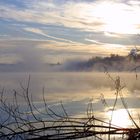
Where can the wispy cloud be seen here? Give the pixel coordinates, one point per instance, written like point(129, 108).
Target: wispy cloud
point(93, 41)
point(112, 34)
point(39, 31)
point(35, 30)
point(4, 35)
point(93, 16)
point(66, 14)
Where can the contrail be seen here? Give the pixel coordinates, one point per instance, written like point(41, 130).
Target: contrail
point(38, 31)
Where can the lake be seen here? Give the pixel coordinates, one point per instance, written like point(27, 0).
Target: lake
point(76, 91)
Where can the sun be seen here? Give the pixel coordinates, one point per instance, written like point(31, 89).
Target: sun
point(120, 118)
point(117, 18)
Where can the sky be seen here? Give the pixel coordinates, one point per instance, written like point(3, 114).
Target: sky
point(34, 33)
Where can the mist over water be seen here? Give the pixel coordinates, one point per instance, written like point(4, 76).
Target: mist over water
point(72, 86)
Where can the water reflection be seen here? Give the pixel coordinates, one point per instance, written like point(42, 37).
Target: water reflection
point(120, 118)
point(75, 91)
point(74, 87)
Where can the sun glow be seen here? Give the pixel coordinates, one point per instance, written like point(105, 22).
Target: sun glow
point(120, 118)
point(117, 18)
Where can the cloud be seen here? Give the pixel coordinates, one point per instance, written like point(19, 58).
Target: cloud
point(35, 30)
point(94, 17)
point(134, 2)
point(98, 49)
point(112, 34)
point(3, 35)
point(93, 41)
point(39, 31)
point(45, 13)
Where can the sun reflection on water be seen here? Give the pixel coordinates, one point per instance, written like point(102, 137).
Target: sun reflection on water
point(120, 118)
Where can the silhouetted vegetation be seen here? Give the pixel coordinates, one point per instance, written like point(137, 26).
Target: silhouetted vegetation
point(113, 63)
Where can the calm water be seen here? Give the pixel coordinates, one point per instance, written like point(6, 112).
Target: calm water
point(76, 91)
